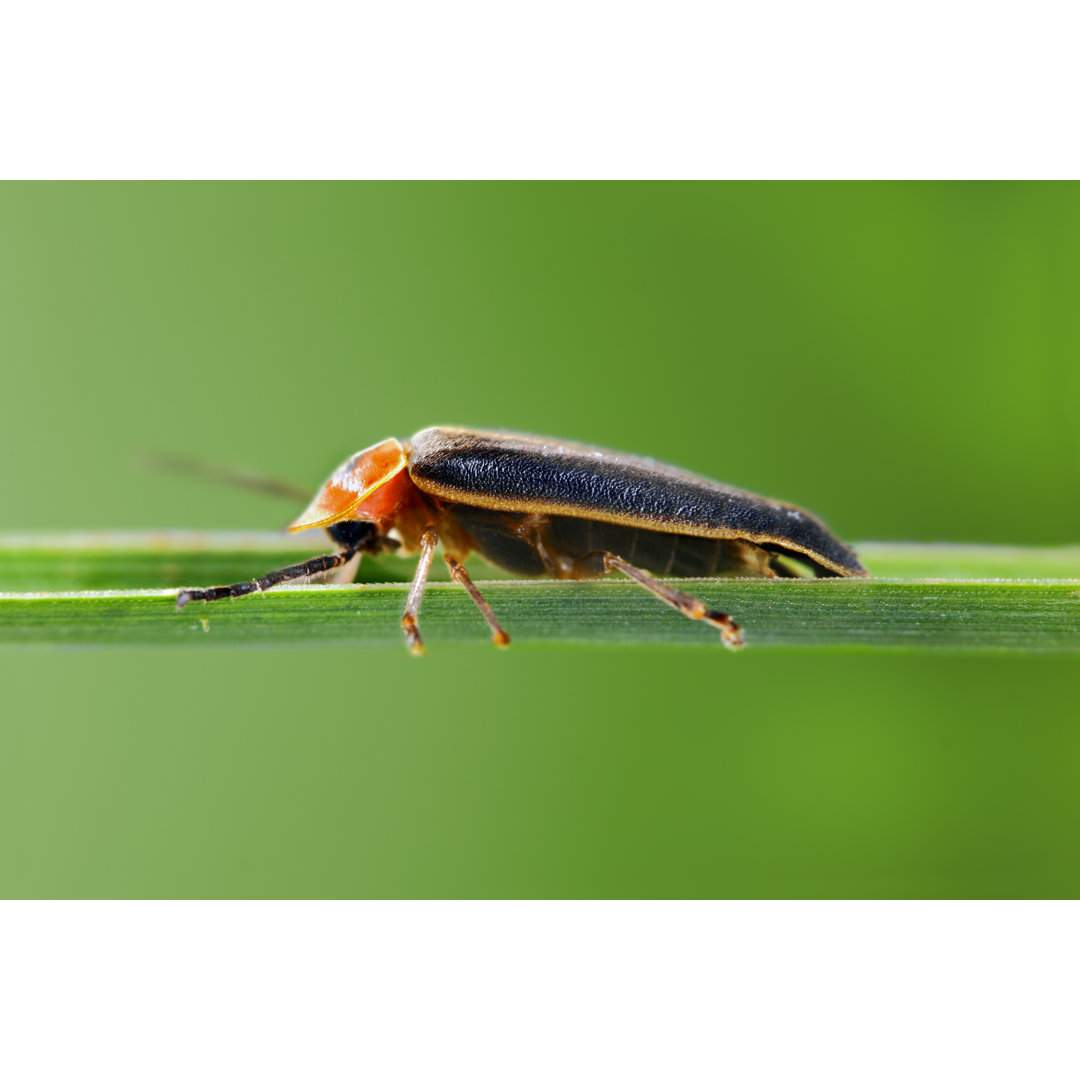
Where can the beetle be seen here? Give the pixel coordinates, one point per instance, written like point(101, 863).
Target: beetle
point(544, 507)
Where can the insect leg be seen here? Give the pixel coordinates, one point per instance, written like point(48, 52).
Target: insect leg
point(458, 572)
point(412, 605)
point(690, 606)
point(319, 565)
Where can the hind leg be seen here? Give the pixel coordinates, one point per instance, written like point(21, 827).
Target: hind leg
point(690, 606)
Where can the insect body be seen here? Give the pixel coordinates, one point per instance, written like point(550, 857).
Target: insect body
point(543, 507)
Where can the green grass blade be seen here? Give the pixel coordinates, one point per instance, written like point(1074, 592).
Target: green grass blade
point(62, 590)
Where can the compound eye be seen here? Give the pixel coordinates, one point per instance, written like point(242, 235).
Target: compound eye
point(353, 482)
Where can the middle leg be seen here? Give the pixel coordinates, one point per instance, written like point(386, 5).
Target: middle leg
point(458, 572)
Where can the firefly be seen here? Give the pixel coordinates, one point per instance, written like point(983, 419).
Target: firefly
point(542, 507)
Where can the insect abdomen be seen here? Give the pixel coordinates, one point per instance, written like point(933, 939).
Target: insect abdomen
point(555, 546)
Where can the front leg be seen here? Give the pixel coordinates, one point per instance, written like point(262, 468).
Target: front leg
point(428, 542)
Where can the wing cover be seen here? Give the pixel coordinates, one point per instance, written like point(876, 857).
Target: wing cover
point(523, 473)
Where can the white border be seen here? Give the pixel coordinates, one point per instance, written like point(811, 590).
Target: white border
point(538, 990)
point(560, 89)
point(564, 88)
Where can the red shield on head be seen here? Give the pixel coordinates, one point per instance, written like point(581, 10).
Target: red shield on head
point(359, 488)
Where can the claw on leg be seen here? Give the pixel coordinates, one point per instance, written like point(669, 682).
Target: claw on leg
point(413, 639)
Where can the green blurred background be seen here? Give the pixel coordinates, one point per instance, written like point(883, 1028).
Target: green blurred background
point(902, 359)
